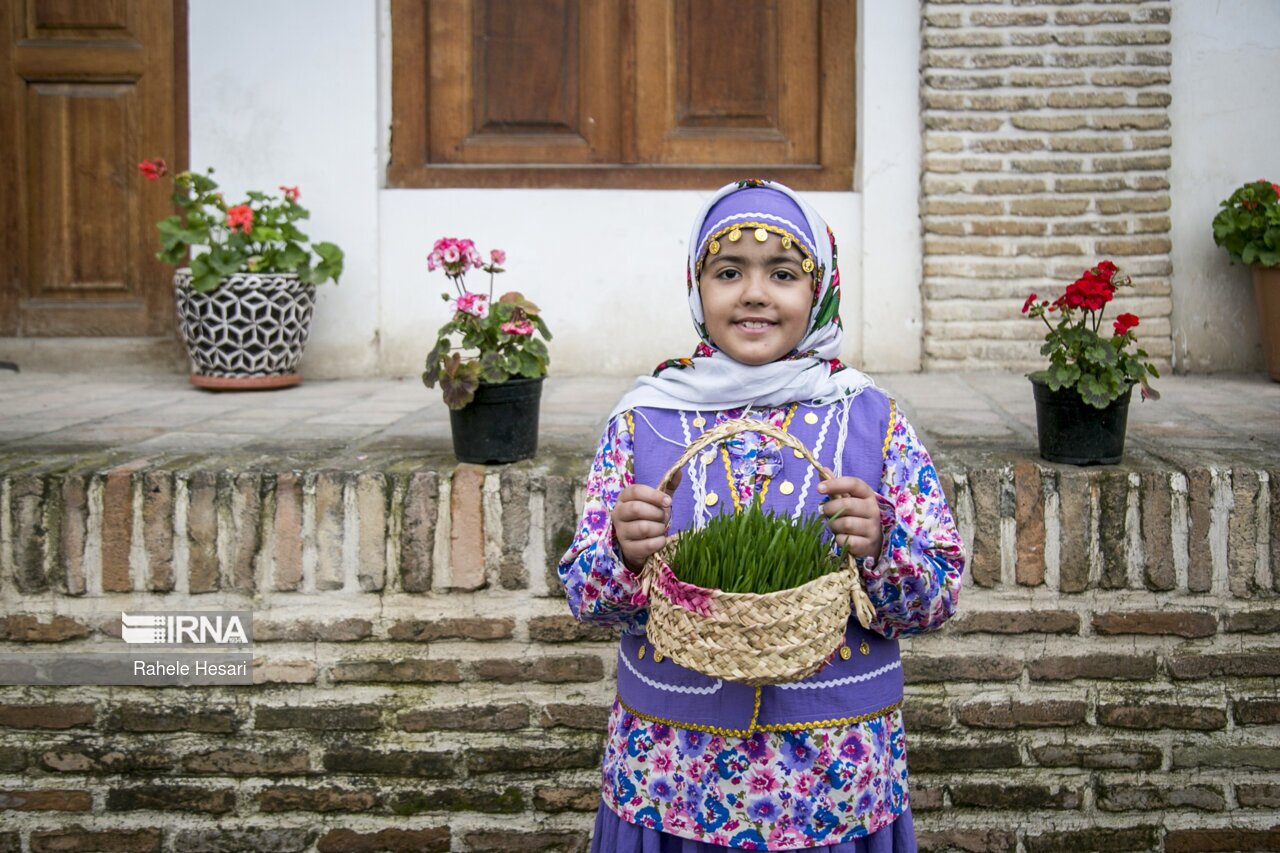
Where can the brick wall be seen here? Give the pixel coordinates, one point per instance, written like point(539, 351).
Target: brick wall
point(1047, 148)
point(1110, 682)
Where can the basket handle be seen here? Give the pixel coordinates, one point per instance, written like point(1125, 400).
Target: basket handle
point(861, 603)
point(733, 427)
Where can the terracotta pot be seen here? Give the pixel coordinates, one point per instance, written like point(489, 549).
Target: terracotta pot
point(247, 333)
point(1266, 292)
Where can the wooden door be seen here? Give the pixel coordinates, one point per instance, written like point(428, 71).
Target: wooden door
point(89, 88)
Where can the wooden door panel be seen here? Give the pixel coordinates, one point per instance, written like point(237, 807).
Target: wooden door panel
point(79, 136)
point(90, 89)
point(717, 98)
point(526, 67)
point(77, 19)
point(519, 80)
point(726, 82)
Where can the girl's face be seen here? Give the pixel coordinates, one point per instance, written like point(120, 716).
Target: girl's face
point(755, 298)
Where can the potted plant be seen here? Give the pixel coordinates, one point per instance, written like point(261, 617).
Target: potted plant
point(1082, 397)
point(494, 391)
point(244, 280)
point(1248, 227)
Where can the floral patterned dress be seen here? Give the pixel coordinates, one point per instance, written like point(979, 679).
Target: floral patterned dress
point(772, 790)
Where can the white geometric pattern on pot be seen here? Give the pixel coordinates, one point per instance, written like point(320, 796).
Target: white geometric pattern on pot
point(249, 325)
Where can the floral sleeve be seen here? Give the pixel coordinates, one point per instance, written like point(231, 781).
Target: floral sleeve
point(598, 584)
point(915, 583)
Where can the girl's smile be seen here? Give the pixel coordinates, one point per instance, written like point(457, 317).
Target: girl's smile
point(756, 299)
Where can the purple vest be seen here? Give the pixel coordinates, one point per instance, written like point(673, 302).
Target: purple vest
point(846, 436)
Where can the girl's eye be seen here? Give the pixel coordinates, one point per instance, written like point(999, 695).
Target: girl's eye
point(785, 275)
point(727, 273)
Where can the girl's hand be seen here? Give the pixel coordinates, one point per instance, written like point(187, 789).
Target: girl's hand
point(640, 519)
point(858, 525)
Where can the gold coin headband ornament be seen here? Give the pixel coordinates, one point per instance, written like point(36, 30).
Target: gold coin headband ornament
point(761, 233)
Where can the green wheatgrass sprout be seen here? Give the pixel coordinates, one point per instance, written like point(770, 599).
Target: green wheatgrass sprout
point(755, 551)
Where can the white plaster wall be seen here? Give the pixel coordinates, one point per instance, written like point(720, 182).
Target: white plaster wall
point(1226, 85)
point(298, 92)
point(888, 178)
point(286, 92)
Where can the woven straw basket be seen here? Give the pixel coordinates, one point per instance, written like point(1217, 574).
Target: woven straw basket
point(751, 638)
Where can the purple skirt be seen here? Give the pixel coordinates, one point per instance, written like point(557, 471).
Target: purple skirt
point(614, 835)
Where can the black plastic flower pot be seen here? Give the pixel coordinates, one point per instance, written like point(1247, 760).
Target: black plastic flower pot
point(1075, 433)
point(500, 424)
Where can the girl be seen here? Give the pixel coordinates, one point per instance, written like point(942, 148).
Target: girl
point(695, 764)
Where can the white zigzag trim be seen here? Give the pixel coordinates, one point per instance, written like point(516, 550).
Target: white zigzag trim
point(839, 682)
point(795, 229)
point(670, 688)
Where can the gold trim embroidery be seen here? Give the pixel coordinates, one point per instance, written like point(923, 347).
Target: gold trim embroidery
point(769, 727)
point(818, 724)
point(888, 431)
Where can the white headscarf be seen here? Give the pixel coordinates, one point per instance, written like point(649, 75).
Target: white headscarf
point(713, 380)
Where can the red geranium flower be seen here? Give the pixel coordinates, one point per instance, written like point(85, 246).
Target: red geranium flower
point(1125, 322)
point(290, 193)
point(240, 216)
point(1026, 306)
point(153, 169)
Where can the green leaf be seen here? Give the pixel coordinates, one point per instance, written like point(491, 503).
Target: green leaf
point(225, 261)
point(492, 368)
point(291, 257)
point(204, 277)
point(1062, 376)
point(1102, 353)
point(328, 252)
point(536, 348)
point(1095, 391)
point(459, 385)
point(432, 367)
point(331, 262)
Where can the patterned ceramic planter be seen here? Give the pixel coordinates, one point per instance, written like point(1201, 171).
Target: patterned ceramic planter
point(248, 332)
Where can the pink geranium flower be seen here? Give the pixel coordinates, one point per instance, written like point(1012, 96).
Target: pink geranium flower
point(498, 256)
point(475, 304)
point(522, 327)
